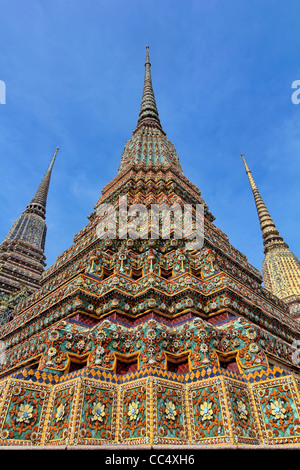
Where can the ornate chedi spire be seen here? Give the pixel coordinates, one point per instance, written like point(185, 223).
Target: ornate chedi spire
point(149, 145)
point(22, 258)
point(25, 227)
point(149, 163)
point(148, 110)
point(281, 268)
point(270, 234)
point(38, 203)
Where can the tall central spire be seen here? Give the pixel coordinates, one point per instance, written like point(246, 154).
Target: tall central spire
point(149, 145)
point(148, 110)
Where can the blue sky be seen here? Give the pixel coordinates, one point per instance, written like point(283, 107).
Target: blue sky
point(222, 72)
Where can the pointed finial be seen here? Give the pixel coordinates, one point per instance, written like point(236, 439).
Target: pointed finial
point(148, 108)
point(38, 203)
point(147, 56)
point(245, 163)
point(249, 174)
point(53, 159)
point(33, 229)
point(270, 234)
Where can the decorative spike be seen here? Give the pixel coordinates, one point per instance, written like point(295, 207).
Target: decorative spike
point(148, 108)
point(149, 144)
point(38, 202)
point(22, 257)
point(270, 234)
point(53, 160)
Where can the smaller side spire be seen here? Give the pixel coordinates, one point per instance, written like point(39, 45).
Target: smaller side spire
point(38, 202)
point(22, 257)
point(148, 110)
point(25, 227)
point(270, 234)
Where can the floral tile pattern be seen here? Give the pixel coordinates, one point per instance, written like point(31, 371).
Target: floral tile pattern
point(23, 412)
point(157, 408)
point(62, 408)
point(170, 412)
point(96, 423)
point(208, 412)
point(278, 411)
point(135, 413)
point(241, 409)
